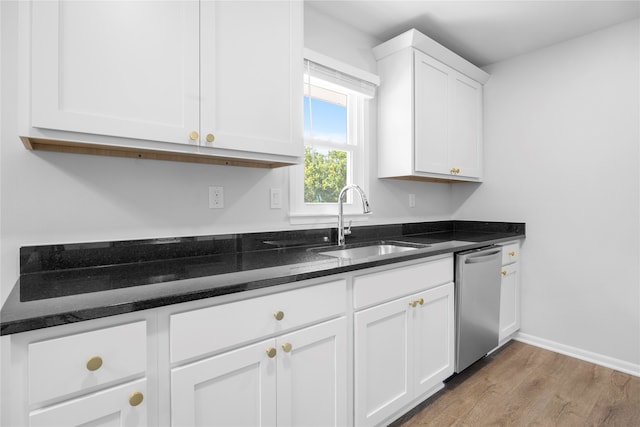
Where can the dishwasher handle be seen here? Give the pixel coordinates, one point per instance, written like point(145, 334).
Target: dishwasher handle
point(482, 258)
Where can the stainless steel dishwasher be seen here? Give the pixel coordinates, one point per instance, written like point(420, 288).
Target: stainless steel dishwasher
point(477, 292)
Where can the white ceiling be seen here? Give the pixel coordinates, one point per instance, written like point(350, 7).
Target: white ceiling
point(482, 32)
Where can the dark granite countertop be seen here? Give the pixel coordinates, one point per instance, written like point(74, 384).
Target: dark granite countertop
point(68, 283)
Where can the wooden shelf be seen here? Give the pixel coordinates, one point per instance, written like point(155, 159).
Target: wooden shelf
point(43, 144)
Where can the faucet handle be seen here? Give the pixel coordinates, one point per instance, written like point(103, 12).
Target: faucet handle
point(347, 230)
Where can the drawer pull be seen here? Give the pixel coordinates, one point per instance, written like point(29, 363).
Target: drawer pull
point(193, 136)
point(210, 137)
point(271, 352)
point(512, 253)
point(135, 398)
point(504, 273)
point(287, 347)
point(94, 363)
point(279, 315)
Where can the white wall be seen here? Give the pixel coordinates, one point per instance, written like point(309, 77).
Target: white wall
point(56, 198)
point(562, 132)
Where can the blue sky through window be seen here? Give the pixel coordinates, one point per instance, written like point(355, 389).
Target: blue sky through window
point(329, 120)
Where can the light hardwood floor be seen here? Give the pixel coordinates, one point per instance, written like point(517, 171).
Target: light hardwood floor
point(523, 385)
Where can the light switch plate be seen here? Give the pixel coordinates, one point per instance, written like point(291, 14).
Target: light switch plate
point(275, 197)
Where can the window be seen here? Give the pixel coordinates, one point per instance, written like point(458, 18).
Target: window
point(335, 112)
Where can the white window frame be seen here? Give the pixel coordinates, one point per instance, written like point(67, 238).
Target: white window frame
point(358, 113)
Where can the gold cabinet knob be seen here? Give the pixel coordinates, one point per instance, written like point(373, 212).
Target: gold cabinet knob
point(455, 171)
point(503, 272)
point(94, 363)
point(416, 302)
point(271, 352)
point(135, 398)
point(210, 137)
point(287, 347)
point(279, 315)
point(512, 253)
point(193, 135)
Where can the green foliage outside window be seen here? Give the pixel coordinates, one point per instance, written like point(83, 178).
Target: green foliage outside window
point(325, 174)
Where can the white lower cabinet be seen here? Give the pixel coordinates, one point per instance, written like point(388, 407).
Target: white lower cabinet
point(296, 379)
point(509, 292)
point(279, 359)
point(94, 373)
point(358, 349)
point(403, 348)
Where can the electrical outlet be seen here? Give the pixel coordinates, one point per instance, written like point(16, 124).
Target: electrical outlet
point(412, 200)
point(275, 197)
point(216, 197)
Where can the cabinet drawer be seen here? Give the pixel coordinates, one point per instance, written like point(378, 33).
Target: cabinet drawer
point(76, 362)
point(510, 253)
point(198, 332)
point(386, 285)
point(116, 404)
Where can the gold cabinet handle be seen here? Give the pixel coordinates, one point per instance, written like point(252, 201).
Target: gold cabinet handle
point(271, 352)
point(193, 135)
point(512, 253)
point(210, 137)
point(416, 302)
point(135, 398)
point(504, 273)
point(279, 315)
point(455, 171)
point(287, 347)
point(94, 363)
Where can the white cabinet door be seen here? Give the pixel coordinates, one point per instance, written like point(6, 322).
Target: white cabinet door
point(382, 361)
point(434, 337)
point(312, 376)
point(251, 76)
point(113, 407)
point(465, 145)
point(509, 301)
point(447, 120)
point(432, 115)
point(403, 349)
point(236, 388)
point(118, 68)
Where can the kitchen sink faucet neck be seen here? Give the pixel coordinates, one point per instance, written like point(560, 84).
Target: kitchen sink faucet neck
point(365, 209)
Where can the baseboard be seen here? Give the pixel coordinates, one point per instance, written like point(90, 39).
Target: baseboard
point(588, 356)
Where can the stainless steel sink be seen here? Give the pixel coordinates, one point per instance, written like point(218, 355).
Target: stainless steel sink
point(372, 250)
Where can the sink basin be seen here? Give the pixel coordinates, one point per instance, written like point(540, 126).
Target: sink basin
point(372, 250)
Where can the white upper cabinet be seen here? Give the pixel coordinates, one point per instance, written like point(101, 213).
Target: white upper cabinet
point(119, 68)
point(251, 76)
point(429, 112)
point(220, 78)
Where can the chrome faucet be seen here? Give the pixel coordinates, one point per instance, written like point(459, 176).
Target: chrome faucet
point(365, 209)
